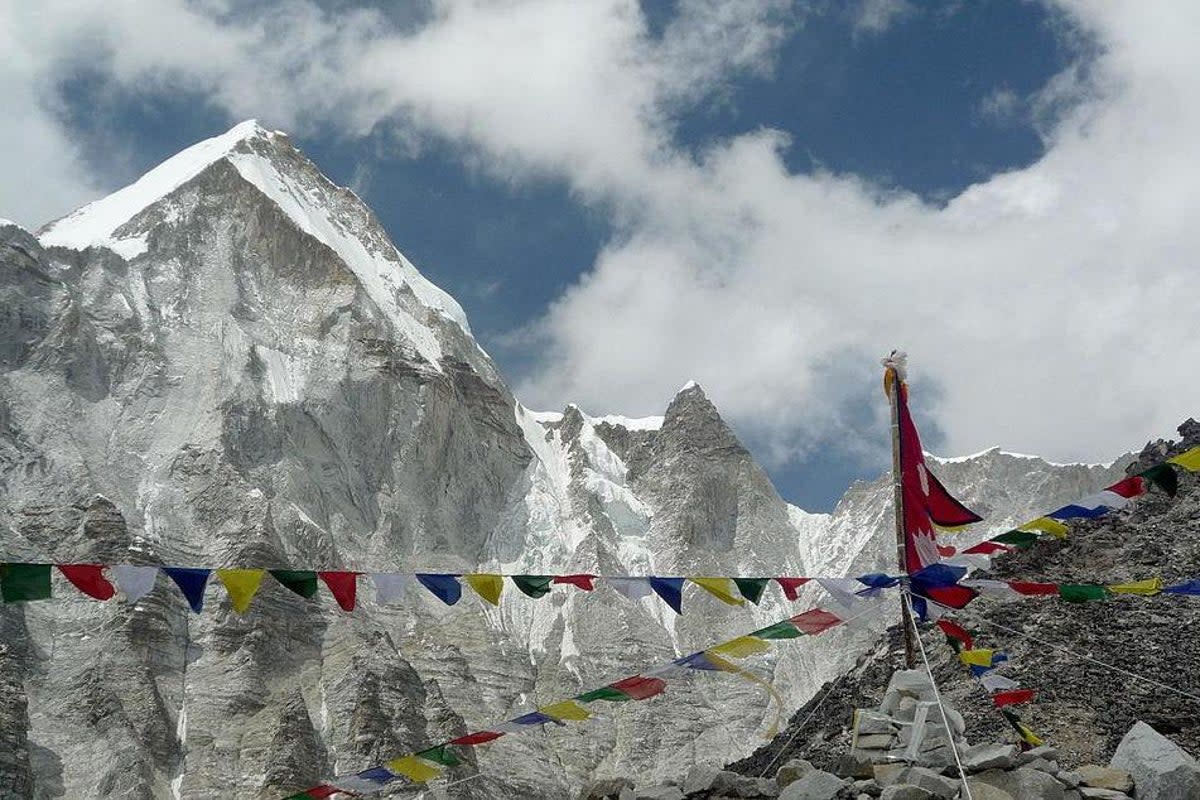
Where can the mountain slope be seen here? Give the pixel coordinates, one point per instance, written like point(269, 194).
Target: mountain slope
point(230, 363)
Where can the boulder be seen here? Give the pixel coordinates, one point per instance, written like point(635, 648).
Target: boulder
point(904, 791)
point(1020, 784)
point(816, 785)
point(1068, 778)
point(856, 764)
point(1161, 770)
point(700, 778)
point(887, 774)
point(789, 773)
point(981, 757)
point(936, 784)
point(1092, 793)
point(1105, 778)
point(874, 741)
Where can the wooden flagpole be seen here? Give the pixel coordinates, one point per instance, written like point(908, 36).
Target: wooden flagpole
point(893, 376)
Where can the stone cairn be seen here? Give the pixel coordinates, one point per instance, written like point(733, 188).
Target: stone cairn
point(903, 751)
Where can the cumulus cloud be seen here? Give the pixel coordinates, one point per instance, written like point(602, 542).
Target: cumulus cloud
point(1051, 307)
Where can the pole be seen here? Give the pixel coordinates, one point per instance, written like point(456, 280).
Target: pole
point(892, 379)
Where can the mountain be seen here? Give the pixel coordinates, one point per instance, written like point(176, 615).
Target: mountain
point(229, 363)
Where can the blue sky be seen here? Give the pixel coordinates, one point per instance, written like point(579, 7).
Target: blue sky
point(568, 249)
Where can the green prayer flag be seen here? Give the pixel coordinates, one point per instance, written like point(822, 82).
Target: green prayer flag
point(603, 693)
point(20, 582)
point(439, 755)
point(301, 581)
point(751, 588)
point(1164, 477)
point(780, 630)
point(1016, 538)
point(1081, 592)
point(533, 585)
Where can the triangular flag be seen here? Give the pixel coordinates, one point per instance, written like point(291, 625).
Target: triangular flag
point(533, 718)
point(444, 587)
point(480, 737)
point(21, 582)
point(1017, 538)
point(751, 588)
point(191, 581)
point(534, 586)
point(791, 586)
point(1000, 590)
point(740, 647)
point(780, 630)
point(582, 581)
point(815, 621)
point(977, 658)
point(414, 769)
point(720, 588)
point(301, 581)
point(486, 586)
point(956, 633)
point(440, 755)
point(134, 582)
point(389, 586)
point(567, 709)
point(603, 693)
point(1033, 589)
point(639, 687)
point(670, 590)
point(1081, 592)
point(1133, 486)
point(1163, 476)
point(995, 682)
point(89, 579)
point(367, 782)
point(1044, 525)
point(842, 590)
point(988, 548)
point(343, 586)
point(1146, 588)
point(1188, 587)
point(1012, 698)
point(316, 793)
point(1075, 511)
point(1189, 460)
point(634, 588)
point(242, 585)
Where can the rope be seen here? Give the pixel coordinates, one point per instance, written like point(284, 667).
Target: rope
point(962, 774)
point(1097, 662)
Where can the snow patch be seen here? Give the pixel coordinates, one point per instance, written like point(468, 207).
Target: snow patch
point(996, 450)
point(285, 374)
point(632, 423)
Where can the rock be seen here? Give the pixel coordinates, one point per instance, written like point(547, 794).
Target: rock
point(856, 764)
point(701, 776)
point(938, 758)
point(627, 794)
point(870, 722)
point(1042, 765)
point(789, 773)
point(1044, 751)
point(1101, 794)
point(875, 741)
point(1161, 770)
point(868, 787)
point(1068, 778)
point(1105, 778)
point(903, 791)
point(816, 785)
point(887, 774)
point(659, 793)
point(981, 757)
point(932, 782)
point(1020, 784)
point(606, 787)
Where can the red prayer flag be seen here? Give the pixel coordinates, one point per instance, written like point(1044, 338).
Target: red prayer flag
point(790, 585)
point(89, 579)
point(343, 585)
point(815, 621)
point(1012, 698)
point(957, 632)
point(322, 791)
point(945, 551)
point(988, 548)
point(476, 738)
point(1024, 587)
point(1132, 486)
point(950, 596)
point(581, 581)
point(639, 687)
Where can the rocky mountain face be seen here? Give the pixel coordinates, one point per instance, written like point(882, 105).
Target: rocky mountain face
point(229, 363)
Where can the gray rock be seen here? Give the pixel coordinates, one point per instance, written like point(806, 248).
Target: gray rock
point(1161, 769)
point(1020, 783)
point(1105, 778)
point(875, 741)
point(1068, 778)
point(989, 756)
point(857, 763)
point(700, 778)
point(1093, 793)
point(659, 793)
point(606, 787)
point(887, 774)
point(1045, 752)
point(791, 772)
point(933, 782)
point(816, 785)
point(902, 791)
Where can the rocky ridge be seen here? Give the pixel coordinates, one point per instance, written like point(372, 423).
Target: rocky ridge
point(229, 362)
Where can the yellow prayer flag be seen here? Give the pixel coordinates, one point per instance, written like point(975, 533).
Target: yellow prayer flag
point(567, 709)
point(1029, 736)
point(1189, 460)
point(1148, 587)
point(1046, 525)
point(740, 647)
point(721, 588)
point(487, 586)
point(978, 658)
point(242, 585)
point(414, 768)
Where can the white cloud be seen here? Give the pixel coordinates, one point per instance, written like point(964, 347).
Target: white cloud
point(1053, 306)
point(876, 16)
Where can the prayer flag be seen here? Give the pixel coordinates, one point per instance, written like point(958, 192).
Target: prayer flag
point(977, 658)
point(89, 579)
point(1001, 590)
point(439, 755)
point(389, 586)
point(720, 588)
point(639, 687)
point(1189, 587)
point(956, 633)
point(995, 682)
point(1016, 538)
point(191, 582)
point(316, 793)
point(582, 581)
point(343, 586)
point(780, 630)
point(368, 781)
point(1044, 525)
point(444, 587)
point(1027, 735)
point(1032, 589)
point(877, 580)
point(633, 588)
point(701, 661)
point(486, 586)
point(301, 581)
point(751, 588)
point(414, 769)
point(1163, 476)
point(1130, 487)
point(533, 718)
point(740, 647)
point(1081, 592)
point(1189, 460)
point(1012, 698)
point(1146, 588)
point(670, 590)
point(603, 693)
point(567, 709)
point(1073, 511)
point(790, 587)
point(242, 585)
point(472, 739)
point(815, 621)
point(134, 582)
point(22, 582)
point(534, 586)
point(988, 548)
point(842, 590)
